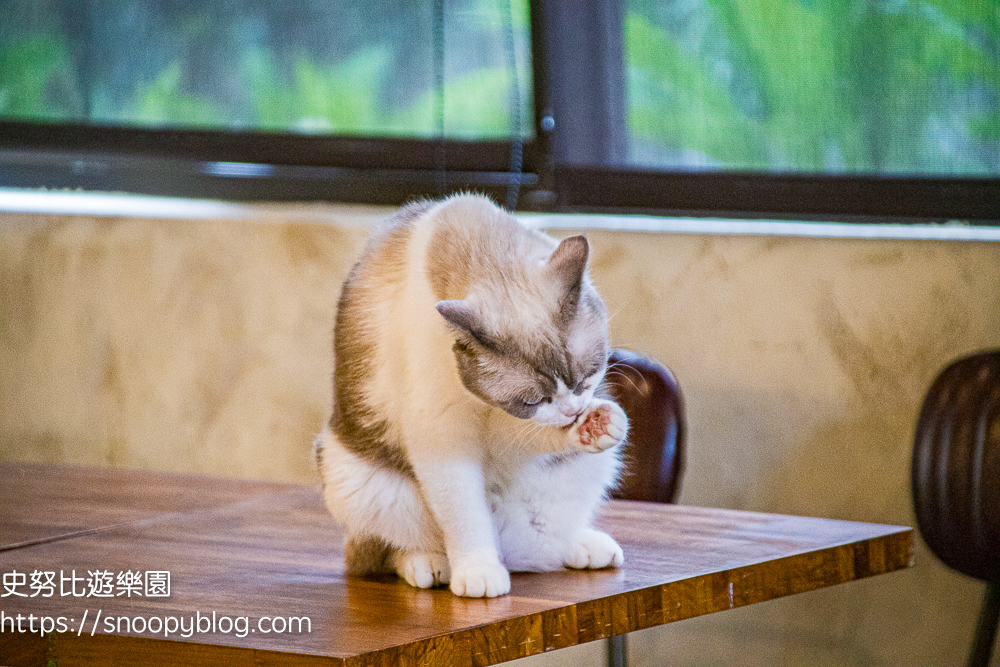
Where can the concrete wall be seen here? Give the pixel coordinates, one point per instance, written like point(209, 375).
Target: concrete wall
point(204, 346)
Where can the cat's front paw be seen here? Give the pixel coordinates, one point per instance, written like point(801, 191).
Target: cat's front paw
point(594, 550)
point(423, 569)
point(604, 425)
point(480, 578)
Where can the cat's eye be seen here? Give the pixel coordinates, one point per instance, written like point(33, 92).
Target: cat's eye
point(581, 387)
point(537, 401)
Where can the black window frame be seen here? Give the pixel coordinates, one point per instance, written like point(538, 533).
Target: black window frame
point(569, 166)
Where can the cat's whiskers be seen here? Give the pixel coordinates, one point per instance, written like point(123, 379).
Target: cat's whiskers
point(532, 429)
point(520, 439)
point(620, 309)
point(624, 375)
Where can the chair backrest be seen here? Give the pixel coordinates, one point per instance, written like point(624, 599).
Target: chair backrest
point(956, 466)
point(654, 453)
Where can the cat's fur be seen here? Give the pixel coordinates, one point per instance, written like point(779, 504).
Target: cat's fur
point(466, 438)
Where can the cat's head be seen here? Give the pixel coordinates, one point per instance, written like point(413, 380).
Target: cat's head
point(534, 343)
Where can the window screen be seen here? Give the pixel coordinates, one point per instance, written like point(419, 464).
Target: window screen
point(902, 87)
point(324, 67)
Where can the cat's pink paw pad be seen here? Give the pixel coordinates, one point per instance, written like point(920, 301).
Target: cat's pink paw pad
point(603, 427)
point(594, 425)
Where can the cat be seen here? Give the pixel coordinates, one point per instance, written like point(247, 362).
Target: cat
point(468, 436)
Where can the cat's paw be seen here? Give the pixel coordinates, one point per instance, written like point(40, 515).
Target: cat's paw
point(593, 550)
point(604, 425)
point(480, 578)
point(423, 569)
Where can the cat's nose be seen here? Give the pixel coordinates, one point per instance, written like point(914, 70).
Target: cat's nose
point(572, 410)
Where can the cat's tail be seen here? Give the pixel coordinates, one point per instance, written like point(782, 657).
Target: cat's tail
point(375, 504)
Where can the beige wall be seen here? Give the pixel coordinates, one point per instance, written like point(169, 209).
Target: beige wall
point(204, 346)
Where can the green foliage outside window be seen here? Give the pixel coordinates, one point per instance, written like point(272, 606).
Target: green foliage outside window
point(888, 86)
point(310, 67)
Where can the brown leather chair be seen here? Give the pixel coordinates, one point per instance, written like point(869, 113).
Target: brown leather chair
point(956, 480)
point(654, 453)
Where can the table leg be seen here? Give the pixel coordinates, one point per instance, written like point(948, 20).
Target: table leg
point(617, 651)
point(986, 630)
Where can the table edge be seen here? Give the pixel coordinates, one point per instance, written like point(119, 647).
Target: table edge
point(533, 634)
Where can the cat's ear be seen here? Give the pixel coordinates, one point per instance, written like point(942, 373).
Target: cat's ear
point(568, 262)
point(463, 315)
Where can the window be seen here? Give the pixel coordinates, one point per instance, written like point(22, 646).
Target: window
point(375, 101)
point(312, 67)
point(860, 109)
point(826, 86)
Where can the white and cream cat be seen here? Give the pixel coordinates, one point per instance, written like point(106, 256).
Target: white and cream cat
point(466, 438)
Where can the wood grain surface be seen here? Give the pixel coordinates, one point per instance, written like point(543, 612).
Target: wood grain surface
point(39, 503)
point(254, 549)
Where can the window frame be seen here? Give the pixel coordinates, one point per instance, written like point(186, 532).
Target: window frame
point(570, 165)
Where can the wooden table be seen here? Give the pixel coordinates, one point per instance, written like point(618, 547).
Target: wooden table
point(253, 549)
